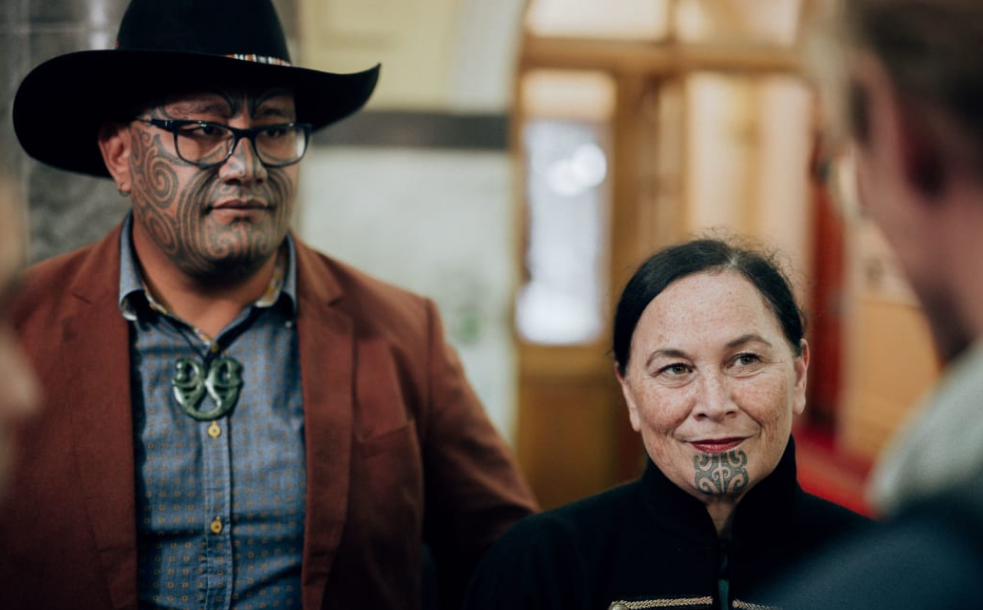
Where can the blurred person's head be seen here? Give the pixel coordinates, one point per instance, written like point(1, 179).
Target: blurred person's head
point(710, 354)
point(18, 390)
point(906, 78)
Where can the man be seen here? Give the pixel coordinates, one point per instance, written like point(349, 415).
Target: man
point(18, 388)
point(913, 88)
point(233, 419)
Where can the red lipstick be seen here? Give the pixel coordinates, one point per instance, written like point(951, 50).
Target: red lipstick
point(716, 445)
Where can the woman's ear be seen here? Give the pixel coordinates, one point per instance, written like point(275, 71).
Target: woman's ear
point(636, 423)
point(801, 366)
point(114, 143)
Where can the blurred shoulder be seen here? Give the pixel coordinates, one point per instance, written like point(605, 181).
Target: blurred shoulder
point(929, 557)
point(819, 521)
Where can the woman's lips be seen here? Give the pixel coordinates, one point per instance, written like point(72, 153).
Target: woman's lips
point(716, 445)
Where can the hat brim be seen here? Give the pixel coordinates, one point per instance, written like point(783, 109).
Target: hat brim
point(61, 104)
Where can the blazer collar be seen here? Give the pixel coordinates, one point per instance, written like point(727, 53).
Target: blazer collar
point(95, 333)
point(326, 337)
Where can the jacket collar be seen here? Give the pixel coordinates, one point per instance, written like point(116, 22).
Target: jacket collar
point(766, 506)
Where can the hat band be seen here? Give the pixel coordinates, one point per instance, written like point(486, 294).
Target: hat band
point(260, 59)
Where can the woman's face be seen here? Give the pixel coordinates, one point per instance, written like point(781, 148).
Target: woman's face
point(712, 385)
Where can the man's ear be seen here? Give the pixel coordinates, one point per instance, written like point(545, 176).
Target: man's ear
point(114, 143)
point(895, 128)
point(918, 148)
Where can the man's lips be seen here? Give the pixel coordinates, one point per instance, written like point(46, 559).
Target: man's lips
point(239, 204)
point(717, 445)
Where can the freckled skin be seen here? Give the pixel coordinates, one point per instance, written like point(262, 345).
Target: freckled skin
point(172, 199)
point(708, 362)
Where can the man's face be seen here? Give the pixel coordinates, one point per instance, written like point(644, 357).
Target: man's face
point(910, 217)
point(18, 388)
point(216, 223)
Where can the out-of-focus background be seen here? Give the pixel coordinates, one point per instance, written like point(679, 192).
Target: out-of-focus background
point(517, 162)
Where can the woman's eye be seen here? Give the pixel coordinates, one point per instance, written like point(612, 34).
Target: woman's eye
point(746, 359)
point(675, 369)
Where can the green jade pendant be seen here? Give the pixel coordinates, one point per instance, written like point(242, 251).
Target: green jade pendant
point(222, 382)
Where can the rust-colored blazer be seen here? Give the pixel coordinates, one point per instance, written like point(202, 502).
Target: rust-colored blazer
point(399, 450)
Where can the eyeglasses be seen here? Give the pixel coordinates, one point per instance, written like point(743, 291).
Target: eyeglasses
point(208, 144)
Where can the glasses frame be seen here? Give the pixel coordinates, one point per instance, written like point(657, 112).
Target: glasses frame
point(175, 125)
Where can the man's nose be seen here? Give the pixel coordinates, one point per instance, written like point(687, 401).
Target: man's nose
point(244, 162)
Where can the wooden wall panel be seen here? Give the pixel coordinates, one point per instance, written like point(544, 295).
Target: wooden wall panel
point(893, 364)
point(567, 436)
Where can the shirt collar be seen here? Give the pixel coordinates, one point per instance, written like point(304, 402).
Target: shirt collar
point(919, 461)
point(131, 285)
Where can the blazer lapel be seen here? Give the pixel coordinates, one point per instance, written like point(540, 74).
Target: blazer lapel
point(96, 364)
point(327, 344)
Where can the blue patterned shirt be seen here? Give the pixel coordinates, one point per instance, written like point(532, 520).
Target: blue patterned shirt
point(220, 504)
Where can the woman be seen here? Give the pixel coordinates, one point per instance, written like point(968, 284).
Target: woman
point(710, 354)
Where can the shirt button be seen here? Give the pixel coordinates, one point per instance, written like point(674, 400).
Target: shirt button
point(214, 431)
point(216, 526)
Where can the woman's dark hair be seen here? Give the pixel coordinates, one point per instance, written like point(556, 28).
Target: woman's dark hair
point(705, 256)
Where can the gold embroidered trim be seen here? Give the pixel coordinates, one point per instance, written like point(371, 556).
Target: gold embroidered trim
point(749, 606)
point(661, 603)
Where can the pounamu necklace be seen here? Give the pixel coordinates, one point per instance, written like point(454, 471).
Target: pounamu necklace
point(220, 378)
point(221, 381)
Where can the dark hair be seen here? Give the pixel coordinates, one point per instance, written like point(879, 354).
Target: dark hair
point(931, 49)
point(705, 256)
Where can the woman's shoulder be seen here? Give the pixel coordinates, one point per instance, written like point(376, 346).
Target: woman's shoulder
point(554, 557)
point(569, 529)
point(584, 513)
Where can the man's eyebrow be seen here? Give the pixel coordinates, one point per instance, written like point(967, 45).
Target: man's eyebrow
point(276, 103)
point(199, 107)
point(274, 110)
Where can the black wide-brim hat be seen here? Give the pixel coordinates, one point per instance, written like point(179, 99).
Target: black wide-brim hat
point(168, 47)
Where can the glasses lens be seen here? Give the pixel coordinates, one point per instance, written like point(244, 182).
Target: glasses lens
point(279, 145)
point(203, 143)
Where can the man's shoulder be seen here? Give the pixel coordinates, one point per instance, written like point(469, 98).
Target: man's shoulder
point(929, 555)
point(353, 287)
